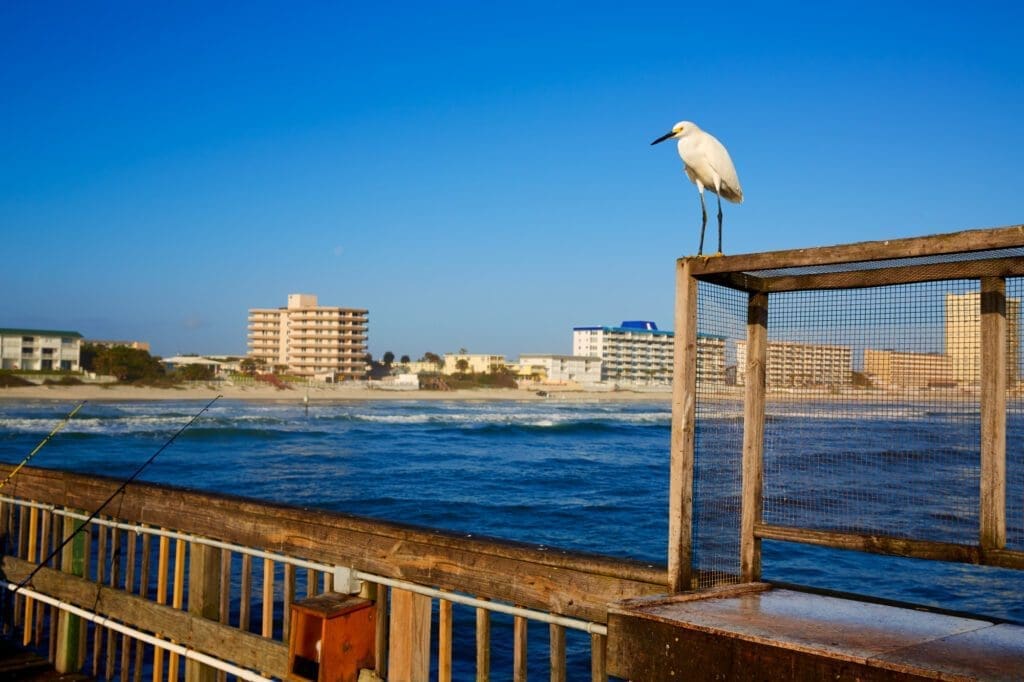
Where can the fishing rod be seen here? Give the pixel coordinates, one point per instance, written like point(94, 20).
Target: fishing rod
point(43, 442)
point(114, 494)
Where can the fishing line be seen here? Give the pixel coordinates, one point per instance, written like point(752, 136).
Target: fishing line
point(42, 443)
point(120, 489)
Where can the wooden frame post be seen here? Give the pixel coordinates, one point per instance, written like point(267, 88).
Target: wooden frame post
point(753, 435)
point(204, 579)
point(993, 371)
point(684, 408)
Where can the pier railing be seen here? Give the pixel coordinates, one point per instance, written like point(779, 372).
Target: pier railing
point(864, 403)
point(179, 584)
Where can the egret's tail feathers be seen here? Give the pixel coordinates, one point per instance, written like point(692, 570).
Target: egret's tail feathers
point(733, 195)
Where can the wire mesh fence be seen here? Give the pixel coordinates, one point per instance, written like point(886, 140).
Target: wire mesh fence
point(1014, 419)
point(880, 416)
point(719, 435)
point(868, 429)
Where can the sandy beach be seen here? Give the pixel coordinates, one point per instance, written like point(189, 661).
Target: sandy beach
point(97, 392)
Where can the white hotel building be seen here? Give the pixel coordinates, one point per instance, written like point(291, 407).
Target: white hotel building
point(564, 369)
point(638, 352)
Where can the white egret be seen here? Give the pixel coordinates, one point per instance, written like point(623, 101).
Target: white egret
point(707, 164)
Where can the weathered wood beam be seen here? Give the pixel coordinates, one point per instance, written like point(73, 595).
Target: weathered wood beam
point(570, 583)
point(876, 544)
point(684, 425)
point(753, 435)
point(210, 637)
point(911, 274)
point(956, 242)
point(992, 516)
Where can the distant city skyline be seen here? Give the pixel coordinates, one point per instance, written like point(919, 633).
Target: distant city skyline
point(474, 177)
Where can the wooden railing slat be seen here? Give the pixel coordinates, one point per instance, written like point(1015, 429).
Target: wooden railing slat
point(519, 653)
point(557, 655)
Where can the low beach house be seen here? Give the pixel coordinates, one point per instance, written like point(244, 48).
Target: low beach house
point(39, 349)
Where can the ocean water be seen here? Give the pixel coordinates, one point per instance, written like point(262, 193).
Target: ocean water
point(591, 476)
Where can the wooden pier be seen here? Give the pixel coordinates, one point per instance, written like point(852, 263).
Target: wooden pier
point(184, 583)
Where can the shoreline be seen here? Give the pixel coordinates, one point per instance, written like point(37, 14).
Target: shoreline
point(341, 393)
point(115, 393)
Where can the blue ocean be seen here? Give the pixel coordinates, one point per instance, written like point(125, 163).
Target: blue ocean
point(590, 476)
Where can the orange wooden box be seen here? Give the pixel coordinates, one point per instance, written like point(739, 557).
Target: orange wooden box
point(332, 638)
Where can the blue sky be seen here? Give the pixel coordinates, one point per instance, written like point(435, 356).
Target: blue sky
point(477, 175)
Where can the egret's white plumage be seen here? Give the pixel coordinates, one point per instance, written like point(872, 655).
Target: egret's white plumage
point(708, 165)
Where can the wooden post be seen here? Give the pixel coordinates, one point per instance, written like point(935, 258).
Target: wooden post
point(557, 653)
point(519, 659)
point(177, 600)
point(267, 617)
point(69, 626)
point(444, 641)
point(483, 645)
point(753, 435)
point(379, 594)
point(163, 547)
point(204, 572)
point(993, 369)
point(684, 407)
point(30, 604)
point(409, 654)
point(598, 657)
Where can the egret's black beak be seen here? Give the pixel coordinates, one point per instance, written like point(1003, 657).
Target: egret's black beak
point(663, 137)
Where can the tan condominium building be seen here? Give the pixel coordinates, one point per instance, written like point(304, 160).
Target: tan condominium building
point(963, 337)
point(310, 340)
point(796, 364)
point(898, 369)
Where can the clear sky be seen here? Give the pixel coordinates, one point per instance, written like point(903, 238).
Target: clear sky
point(477, 174)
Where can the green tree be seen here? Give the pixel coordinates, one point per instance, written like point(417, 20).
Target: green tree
point(404, 360)
point(87, 356)
point(462, 364)
point(388, 358)
point(194, 373)
point(248, 366)
point(128, 364)
point(432, 357)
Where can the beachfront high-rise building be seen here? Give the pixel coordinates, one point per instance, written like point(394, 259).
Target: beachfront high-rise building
point(638, 352)
point(898, 369)
point(40, 349)
point(963, 337)
point(800, 364)
point(310, 340)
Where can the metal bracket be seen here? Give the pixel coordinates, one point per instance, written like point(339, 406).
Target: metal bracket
point(344, 580)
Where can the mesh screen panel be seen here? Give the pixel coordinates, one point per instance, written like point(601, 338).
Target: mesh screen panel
point(1014, 419)
point(719, 435)
point(872, 417)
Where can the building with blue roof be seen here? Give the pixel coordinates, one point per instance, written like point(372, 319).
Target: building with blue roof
point(637, 351)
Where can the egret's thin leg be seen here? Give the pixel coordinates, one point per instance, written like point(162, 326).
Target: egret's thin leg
point(719, 223)
point(703, 223)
